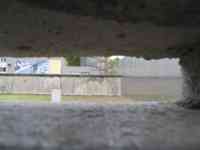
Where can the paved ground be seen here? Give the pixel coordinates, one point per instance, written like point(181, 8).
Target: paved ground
point(81, 126)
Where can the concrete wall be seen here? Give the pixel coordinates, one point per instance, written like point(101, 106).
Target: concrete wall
point(139, 67)
point(165, 86)
point(92, 85)
point(70, 85)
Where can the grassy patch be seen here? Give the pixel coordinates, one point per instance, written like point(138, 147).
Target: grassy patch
point(96, 99)
point(24, 98)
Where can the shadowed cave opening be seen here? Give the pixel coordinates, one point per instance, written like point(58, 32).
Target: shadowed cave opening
point(122, 111)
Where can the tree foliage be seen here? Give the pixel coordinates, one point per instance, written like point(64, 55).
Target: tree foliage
point(73, 60)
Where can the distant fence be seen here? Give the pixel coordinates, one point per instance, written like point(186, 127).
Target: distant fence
point(91, 85)
point(69, 84)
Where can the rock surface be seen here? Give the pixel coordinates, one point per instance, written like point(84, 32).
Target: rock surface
point(147, 28)
point(82, 126)
point(190, 63)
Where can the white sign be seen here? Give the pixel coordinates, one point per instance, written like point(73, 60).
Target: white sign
point(56, 96)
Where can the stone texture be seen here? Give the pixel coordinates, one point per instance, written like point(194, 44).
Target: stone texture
point(190, 63)
point(177, 12)
point(81, 126)
point(136, 28)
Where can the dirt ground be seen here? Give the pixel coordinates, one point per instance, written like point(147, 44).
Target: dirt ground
point(94, 126)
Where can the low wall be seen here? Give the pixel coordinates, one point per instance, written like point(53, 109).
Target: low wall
point(69, 85)
point(165, 86)
point(91, 85)
point(110, 86)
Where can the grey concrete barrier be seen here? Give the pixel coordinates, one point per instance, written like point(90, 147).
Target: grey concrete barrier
point(91, 85)
point(69, 85)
